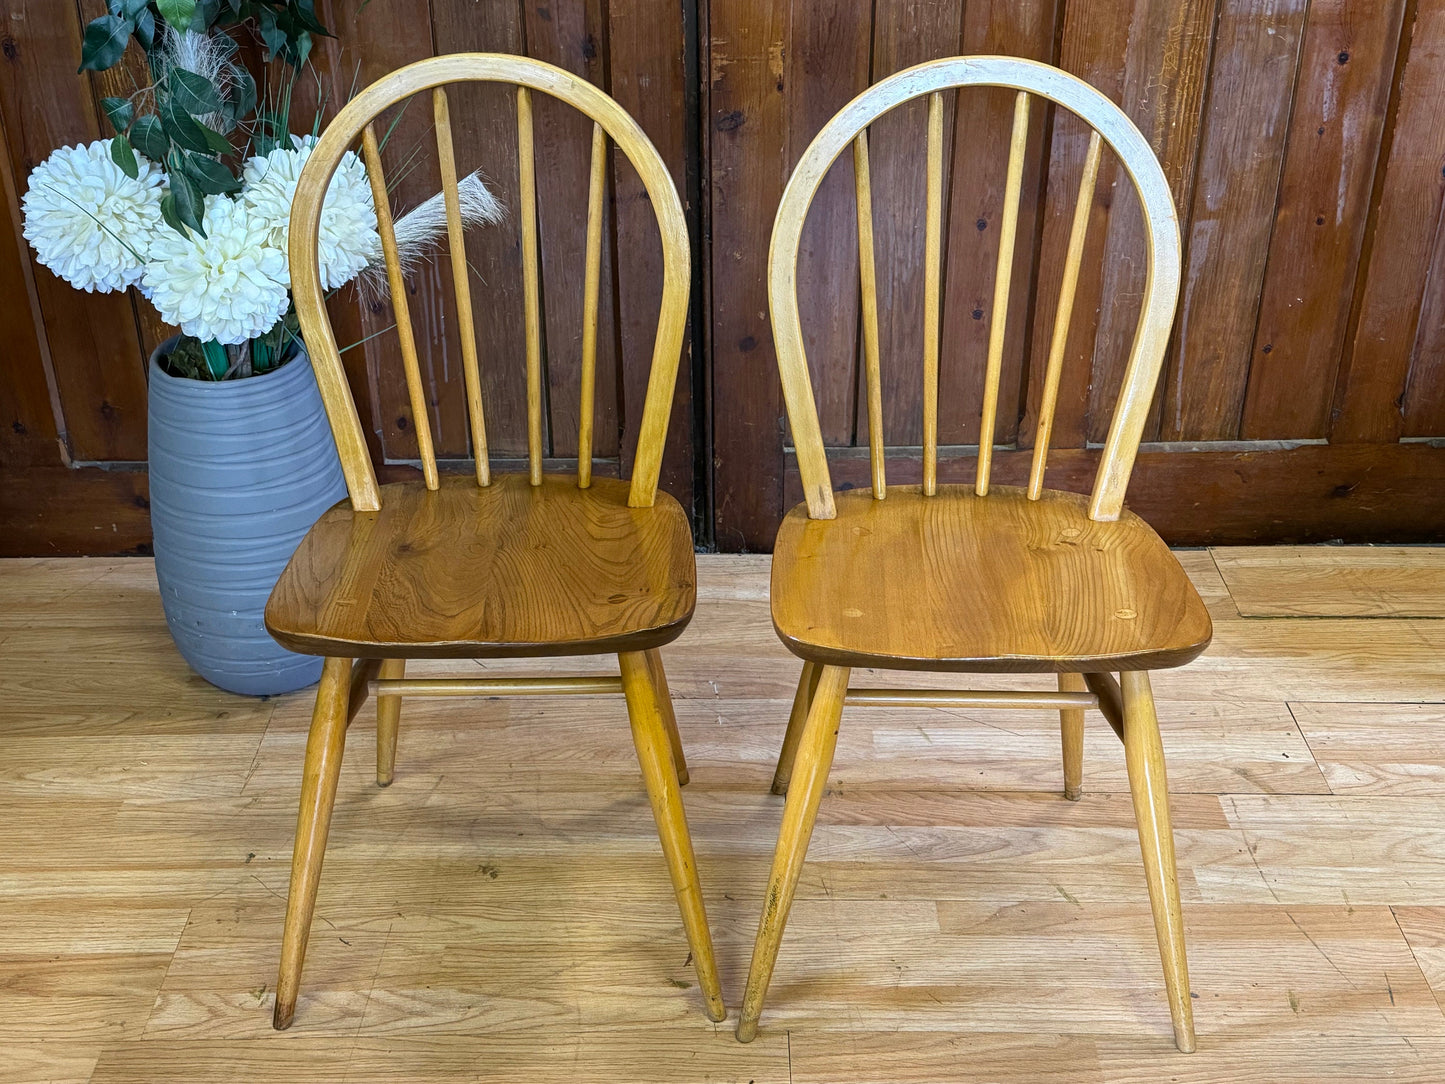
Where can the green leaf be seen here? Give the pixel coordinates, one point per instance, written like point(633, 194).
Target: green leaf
point(216, 359)
point(271, 33)
point(193, 93)
point(243, 91)
point(207, 11)
point(210, 175)
point(190, 201)
point(168, 213)
point(119, 111)
point(123, 155)
point(187, 359)
point(216, 143)
point(148, 138)
point(145, 29)
point(182, 130)
point(177, 12)
point(304, 12)
point(104, 42)
point(299, 50)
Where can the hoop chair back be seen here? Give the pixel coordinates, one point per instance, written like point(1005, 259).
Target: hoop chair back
point(609, 121)
point(1109, 124)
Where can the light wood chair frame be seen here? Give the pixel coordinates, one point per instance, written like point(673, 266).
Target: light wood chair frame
point(346, 683)
point(1126, 702)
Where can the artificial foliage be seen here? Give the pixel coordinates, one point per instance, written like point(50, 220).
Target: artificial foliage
point(202, 113)
point(190, 201)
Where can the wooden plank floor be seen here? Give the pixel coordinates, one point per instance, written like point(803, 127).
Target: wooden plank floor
point(502, 913)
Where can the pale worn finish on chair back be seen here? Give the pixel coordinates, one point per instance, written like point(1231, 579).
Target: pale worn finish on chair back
point(1109, 124)
point(609, 120)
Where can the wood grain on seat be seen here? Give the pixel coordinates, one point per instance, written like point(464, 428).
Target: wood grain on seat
point(984, 584)
point(509, 569)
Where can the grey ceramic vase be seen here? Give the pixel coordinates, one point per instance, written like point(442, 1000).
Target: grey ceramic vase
point(239, 471)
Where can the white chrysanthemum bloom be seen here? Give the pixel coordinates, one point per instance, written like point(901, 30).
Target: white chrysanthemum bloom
point(348, 217)
point(90, 223)
point(229, 285)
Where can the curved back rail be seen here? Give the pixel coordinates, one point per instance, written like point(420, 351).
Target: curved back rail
point(609, 120)
point(1161, 290)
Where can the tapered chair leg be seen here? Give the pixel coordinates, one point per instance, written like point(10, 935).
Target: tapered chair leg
point(1071, 728)
point(1144, 756)
point(660, 776)
point(388, 720)
point(669, 717)
point(318, 795)
point(802, 701)
point(813, 759)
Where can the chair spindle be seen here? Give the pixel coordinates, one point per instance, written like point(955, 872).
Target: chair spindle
point(456, 242)
point(1008, 229)
point(932, 292)
point(595, 191)
point(396, 281)
point(868, 286)
point(1067, 287)
point(527, 174)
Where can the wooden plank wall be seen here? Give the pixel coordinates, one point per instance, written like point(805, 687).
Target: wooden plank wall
point(1303, 397)
point(73, 388)
point(1304, 141)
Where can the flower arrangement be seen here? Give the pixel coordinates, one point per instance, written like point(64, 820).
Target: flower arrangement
point(190, 202)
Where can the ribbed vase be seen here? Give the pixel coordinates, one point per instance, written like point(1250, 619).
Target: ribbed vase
point(239, 471)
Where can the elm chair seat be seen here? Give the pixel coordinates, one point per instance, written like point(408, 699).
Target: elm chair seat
point(504, 570)
point(995, 584)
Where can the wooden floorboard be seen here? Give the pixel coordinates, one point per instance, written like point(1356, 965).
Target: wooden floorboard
point(1335, 581)
point(503, 913)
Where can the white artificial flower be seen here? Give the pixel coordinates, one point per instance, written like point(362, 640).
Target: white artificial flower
point(90, 223)
point(229, 285)
point(348, 217)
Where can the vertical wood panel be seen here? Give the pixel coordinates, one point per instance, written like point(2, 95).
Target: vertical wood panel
point(95, 347)
point(1371, 392)
point(647, 43)
point(905, 32)
point(314, 103)
point(484, 125)
point(1425, 393)
point(1090, 49)
point(1167, 59)
point(569, 33)
point(1256, 54)
point(1345, 75)
point(980, 149)
point(27, 419)
point(746, 128)
point(377, 39)
point(826, 65)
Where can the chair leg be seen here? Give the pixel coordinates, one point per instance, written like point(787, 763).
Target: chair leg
point(1071, 725)
point(814, 757)
point(388, 719)
point(318, 794)
point(1144, 755)
point(669, 717)
point(802, 701)
point(660, 776)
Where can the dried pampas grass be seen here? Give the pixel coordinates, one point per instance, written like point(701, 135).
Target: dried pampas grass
point(419, 232)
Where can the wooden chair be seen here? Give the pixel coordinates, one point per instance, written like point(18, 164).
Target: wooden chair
point(978, 578)
point(532, 565)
